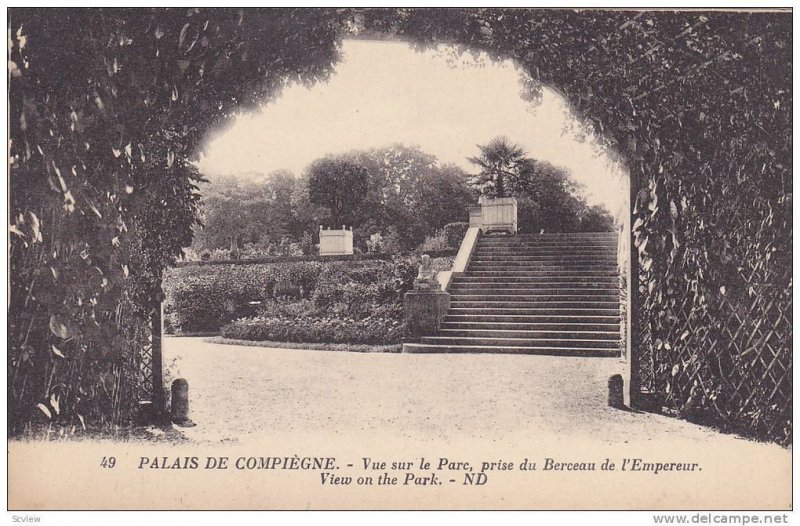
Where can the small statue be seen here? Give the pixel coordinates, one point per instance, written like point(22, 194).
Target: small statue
point(426, 278)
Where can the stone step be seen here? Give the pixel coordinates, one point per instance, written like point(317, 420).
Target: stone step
point(532, 304)
point(519, 254)
point(468, 290)
point(539, 268)
point(541, 260)
point(517, 326)
point(557, 263)
point(481, 296)
point(570, 280)
point(531, 240)
point(486, 283)
point(530, 334)
point(550, 311)
point(585, 343)
point(533, 319)
point(599, 233)
point(535, 256)
point(575, 326)
point(584, 245)
point(552, 237)
point(549, 274)
point(534, 294)
point(527, 250)
point(497, 349)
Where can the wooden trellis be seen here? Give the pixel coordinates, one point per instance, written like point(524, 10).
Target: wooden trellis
point(729, 364)
point(149, 379)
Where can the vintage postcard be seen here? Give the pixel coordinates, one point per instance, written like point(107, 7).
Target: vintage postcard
point(400, 259)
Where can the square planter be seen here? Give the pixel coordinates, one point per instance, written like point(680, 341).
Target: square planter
point(499, 214)
point(335, 242)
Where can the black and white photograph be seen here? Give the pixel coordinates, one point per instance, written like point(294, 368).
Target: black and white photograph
point(400, 258)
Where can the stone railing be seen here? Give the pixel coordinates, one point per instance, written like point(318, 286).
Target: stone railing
point(461, 261)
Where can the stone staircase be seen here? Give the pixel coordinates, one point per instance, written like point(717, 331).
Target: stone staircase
point(554, 294)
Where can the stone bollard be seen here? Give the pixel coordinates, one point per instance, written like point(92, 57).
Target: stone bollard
point(616, 397)
point(180, 403)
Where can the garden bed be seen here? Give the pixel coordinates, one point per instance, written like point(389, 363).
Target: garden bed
point(340, 347)
point(296, 301)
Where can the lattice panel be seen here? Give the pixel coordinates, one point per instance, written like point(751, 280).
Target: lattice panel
point(144, 369)
point(729, 362)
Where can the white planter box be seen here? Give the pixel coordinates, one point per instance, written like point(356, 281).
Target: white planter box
point(335, 242)
point(499, 215)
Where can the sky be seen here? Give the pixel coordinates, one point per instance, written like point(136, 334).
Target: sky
point(385, 92)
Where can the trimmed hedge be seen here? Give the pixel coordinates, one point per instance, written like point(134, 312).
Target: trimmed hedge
point(204, 298)
point(375, 330)
point(439, 253)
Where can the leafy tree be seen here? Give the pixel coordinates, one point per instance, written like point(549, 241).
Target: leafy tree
point(549, 200)
point(338, 184)
point(500, 162)
point(307, 215)
point(279, 187)
point(407, 190)
point(255, 211)
point(444, 197)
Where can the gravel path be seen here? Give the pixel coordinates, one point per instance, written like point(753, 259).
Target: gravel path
point(238, 392)
point(256, 402)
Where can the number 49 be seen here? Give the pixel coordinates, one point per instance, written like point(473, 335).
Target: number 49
point(108, 462)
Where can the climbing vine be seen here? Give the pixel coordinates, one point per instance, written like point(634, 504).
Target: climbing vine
point(108, 108)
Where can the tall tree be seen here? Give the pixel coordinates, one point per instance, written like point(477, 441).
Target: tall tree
point(338, 184)
point(410, 193)
point(444, 197)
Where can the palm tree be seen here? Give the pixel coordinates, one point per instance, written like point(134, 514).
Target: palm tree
point(499, 161)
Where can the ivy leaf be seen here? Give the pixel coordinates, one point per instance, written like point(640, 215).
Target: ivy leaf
point(54, 403)
point(60, 329)
point(182, 36)
point(43, 408)
point(33, 221)
point(57, 352)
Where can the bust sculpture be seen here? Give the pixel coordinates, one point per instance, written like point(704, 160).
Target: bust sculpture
point(426, 278)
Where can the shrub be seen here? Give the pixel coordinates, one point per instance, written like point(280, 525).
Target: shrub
point(220, 254)
point(203, 298)
point(454, 233)
point(438, 241)
point(374, 330)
